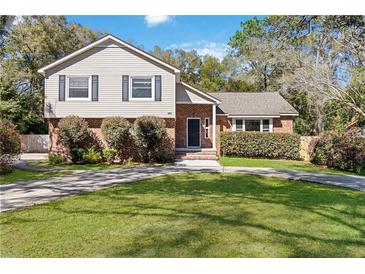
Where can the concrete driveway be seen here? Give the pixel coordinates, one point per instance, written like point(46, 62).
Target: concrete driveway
point(40, 191)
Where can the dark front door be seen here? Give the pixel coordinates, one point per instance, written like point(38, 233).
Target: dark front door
point(193, 132)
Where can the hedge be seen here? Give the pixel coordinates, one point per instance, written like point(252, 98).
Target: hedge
point(260, 145)
point(340, 150)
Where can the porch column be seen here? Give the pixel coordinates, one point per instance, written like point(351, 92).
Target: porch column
point(214, 125)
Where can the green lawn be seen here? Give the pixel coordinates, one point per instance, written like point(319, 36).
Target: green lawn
point(193, 215)
point(23, 175)
point(279, 164)
point(101, 166)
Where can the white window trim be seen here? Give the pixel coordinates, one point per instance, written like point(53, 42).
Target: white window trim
point(67, 97)
point(243, 124)
point(258, 118)
point(206, 136)
point(152, 88)
point(262, 125)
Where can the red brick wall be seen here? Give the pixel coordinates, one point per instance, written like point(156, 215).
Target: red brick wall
point(183, 111)
point(283, 124)
point(223, 124)
point(55, 146)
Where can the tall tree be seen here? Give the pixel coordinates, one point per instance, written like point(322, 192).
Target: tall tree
point(32, 43)
point(318, 57)
point(212, 74)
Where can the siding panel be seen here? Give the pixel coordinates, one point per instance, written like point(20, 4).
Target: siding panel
point(187, 96)
point(110, 62)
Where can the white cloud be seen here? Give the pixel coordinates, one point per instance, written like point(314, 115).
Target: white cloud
point(154, 20)
point(203, 47)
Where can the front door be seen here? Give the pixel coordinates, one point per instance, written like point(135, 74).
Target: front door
point(193, 132)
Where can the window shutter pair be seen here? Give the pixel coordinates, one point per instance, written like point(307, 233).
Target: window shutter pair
point(125, 88)
point(94, 88)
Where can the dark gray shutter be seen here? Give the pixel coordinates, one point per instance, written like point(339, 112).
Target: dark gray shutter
point(125, 88)
point(95, 88)
point(61, 88)
point(157, 87)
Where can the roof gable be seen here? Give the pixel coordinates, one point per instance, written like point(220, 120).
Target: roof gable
point(102, 40)
point(183, 87)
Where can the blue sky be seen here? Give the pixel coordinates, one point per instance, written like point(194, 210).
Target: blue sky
point(206, 34)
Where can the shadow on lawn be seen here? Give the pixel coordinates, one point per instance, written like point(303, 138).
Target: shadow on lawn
point(234, 190)
point(224, 200)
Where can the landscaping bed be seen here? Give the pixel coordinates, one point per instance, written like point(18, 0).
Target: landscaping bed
point(99, 166)
point(193, 215)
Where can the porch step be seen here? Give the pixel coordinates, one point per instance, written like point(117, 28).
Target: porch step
point(195, 155)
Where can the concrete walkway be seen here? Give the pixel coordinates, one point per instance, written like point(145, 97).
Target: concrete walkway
point(40, 191)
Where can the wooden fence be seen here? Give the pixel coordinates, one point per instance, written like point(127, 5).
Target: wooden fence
point(35, 143)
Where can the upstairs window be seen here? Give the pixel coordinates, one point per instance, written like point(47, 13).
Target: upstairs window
point(78, 88)
point(142, 88)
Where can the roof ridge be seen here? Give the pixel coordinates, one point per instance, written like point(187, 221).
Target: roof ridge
point(101, 40)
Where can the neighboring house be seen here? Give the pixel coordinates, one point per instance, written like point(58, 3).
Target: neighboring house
point(113, 78)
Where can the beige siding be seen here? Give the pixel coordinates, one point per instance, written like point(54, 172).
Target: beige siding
point(187, 96)
point(110, 62)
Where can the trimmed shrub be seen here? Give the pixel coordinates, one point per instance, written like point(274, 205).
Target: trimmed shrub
point(340, 150)
point(5, 167)
point(260, 145)
point(10, 146)
point(73, 132)
point(77, 154)
point(165, 153)
point(115, 131)
point(110, 154)
point(320, 149)
point(55, 159)
point(150, 133)
point(92, 156)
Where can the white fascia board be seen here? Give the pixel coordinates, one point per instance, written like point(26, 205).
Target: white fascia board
point(192, 103)
point(289, 114)
point(43, 69)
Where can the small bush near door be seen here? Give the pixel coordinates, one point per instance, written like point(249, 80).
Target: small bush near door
point(260, 145)
point(149, 133)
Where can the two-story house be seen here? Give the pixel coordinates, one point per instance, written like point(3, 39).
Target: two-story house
point(113, 78)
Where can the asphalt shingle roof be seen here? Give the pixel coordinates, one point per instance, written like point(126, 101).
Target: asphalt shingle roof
point(252, 103)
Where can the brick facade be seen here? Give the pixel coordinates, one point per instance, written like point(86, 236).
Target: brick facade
point(176, 128)
point(283, 124)
point(184, 111)
point(223, 124)
point(55, 145)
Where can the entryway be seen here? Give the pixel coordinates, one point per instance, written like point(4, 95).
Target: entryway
point(193, 132)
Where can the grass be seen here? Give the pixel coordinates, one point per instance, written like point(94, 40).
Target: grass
point(279, 164)
point(100, 166)
point(193, 215)
point(23, 175)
